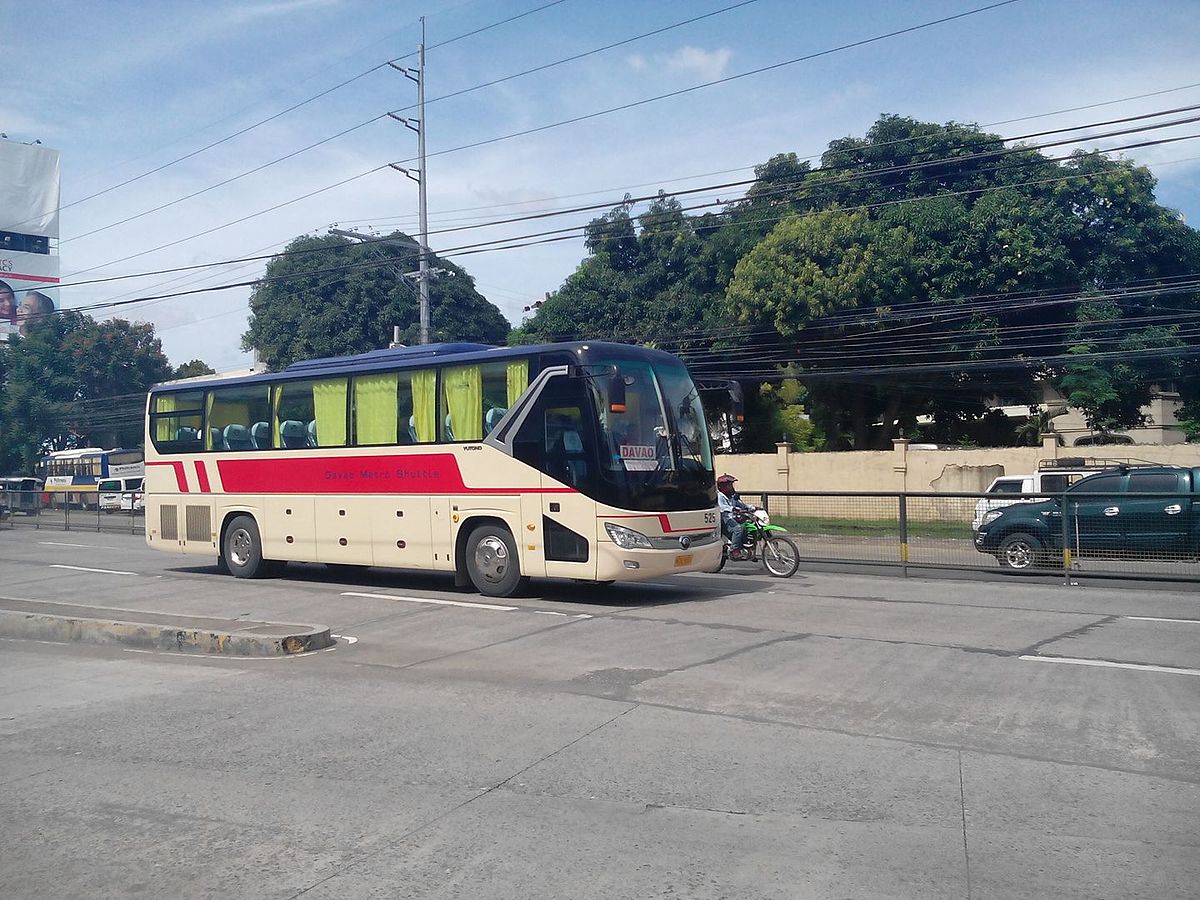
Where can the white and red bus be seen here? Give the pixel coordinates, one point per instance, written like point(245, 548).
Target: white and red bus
point(588, 461)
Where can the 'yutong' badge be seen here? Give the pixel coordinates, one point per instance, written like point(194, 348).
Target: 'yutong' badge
point(685, 542)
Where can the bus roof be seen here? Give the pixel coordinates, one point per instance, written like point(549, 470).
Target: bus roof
point(80, 452)
point(416, 357)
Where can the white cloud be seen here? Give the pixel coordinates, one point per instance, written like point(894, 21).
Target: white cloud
point(245, 12)
point(708, 64)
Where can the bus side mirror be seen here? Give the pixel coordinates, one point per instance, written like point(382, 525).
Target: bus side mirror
point(737, 399)
point(616, 393)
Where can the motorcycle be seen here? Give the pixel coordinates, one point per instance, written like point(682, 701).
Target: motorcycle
point(765, 543)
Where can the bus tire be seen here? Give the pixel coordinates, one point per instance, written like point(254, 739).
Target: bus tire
point(492, 562)
point(242, 548)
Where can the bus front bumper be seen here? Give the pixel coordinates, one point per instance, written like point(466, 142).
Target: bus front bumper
point(614, 563)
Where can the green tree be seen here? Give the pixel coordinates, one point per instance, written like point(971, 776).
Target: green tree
point(641, 281)
point(329, 296)
point(72, 381)
point(192, 368)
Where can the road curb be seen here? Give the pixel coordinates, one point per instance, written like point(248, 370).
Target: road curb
point(244, 639)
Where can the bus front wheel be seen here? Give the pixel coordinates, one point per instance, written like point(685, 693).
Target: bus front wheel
point(243, 549)
point(492, 562)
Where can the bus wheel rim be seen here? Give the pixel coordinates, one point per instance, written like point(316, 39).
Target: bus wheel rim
point(491, 558)
point(240, 546)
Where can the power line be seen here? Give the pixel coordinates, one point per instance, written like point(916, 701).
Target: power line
point(373, 119)
point(868, 174)
point(671, 94)
point(289, 109)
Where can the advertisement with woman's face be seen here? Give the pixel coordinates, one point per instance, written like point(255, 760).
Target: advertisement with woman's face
point(34, 307)
point(8, 311)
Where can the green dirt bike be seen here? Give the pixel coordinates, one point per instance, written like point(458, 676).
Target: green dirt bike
point(765, 543)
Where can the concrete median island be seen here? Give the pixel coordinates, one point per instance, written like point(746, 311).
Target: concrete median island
point(63, 622)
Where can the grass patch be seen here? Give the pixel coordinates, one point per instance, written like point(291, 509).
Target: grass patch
point(871, 527)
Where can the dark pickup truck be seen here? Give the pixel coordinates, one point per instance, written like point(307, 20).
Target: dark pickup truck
point(1147, 512)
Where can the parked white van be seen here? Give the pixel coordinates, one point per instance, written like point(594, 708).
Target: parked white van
point(118, 494)
point(1052, 477)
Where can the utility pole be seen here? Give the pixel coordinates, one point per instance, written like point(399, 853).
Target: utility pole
point(418, 175)
point(423, 277)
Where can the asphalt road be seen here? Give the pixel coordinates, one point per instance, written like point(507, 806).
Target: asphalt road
point(835, 735)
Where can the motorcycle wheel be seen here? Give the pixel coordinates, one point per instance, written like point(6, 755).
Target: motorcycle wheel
point(780, 556)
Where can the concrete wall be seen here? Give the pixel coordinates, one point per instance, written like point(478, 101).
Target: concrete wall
point(904, 469)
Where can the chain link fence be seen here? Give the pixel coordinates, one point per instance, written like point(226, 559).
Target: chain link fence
point(39, 510)
point(1130, 535)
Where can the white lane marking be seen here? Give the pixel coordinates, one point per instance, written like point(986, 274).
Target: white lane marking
point(84, 546)
point(431, 601)
point(547, 612)
point(1104, 663)
point(1157, 619)
point(344, 637)
point(86, 569)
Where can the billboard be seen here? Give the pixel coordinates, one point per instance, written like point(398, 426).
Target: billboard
point(29, 206)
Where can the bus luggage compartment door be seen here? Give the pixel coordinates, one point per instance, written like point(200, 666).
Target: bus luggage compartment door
point(401, 532)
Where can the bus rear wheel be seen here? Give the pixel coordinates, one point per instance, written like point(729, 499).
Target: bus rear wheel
point(242, 548)
point(492, 562)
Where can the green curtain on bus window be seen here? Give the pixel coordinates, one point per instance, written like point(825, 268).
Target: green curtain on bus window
point(375, 408)
point(208, 421)
point(463, 387)
point(329, 410)
point(165, 403)
point(424, 394)
point(518, 380)
point(276, 393)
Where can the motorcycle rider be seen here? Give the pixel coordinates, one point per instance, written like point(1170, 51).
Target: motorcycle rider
point(729, 502)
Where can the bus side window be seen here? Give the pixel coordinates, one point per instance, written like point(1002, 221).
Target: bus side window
point(310, 413)
point(232, 411)
point(176, 420)
point(555, 437)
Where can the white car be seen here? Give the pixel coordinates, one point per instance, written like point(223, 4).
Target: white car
point(1007, 490)
point(121, 494)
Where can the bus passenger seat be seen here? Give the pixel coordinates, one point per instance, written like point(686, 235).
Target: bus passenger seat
point(312, 434)
point(184, 433)
point(576, 461)
point(492, 419)
point(293, 434)
point(449, 428)
point(214, 437)
point(260, 433)
point(237, 437)
point(412, 430)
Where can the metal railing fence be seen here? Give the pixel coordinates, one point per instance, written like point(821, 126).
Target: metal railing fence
point(39, 510)
point(1131, 535)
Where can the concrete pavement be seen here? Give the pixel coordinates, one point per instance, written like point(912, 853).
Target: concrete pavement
point(731, 736)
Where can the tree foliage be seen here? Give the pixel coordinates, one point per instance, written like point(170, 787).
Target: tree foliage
point(330, 296)
point(192, 368)
point(920, 273)
point(72, 381)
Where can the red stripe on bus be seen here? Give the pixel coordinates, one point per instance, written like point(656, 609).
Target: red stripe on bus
point(180, 477)
point(422, 473)
point(202, 477)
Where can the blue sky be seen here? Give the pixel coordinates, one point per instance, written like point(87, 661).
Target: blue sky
point(124, 87)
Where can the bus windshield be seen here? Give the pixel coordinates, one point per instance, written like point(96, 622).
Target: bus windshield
point(662, 428)
point(656, 453)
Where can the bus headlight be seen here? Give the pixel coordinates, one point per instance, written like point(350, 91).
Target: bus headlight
point(627, 538)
